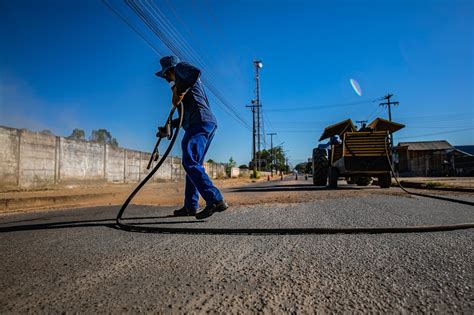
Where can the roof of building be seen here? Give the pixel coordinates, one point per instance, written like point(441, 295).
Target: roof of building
point(426, 145)
point(466, 148)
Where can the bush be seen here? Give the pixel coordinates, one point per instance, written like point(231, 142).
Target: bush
point(255, 175)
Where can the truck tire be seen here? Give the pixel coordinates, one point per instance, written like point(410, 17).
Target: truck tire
point(333, 177)
point(385, 180)
point(363, 181)
point(320, 167)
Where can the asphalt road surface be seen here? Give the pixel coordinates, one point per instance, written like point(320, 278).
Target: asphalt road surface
point(76, 261)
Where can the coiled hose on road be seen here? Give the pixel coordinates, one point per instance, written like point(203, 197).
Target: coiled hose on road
point(277, 231)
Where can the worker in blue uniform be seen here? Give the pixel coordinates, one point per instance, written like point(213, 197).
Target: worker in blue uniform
point(200, 125)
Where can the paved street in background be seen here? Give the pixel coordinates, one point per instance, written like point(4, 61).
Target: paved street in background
point(75, 260)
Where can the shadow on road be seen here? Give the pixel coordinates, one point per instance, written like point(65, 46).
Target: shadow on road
point(89, 223)
point(286, 188)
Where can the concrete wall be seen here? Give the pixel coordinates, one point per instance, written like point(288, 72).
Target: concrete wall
point(234, 172)
point(37, 158)
point(245, 172)
point(215, 170)
point(9, 154)
point(32, 159)
point(81, 160)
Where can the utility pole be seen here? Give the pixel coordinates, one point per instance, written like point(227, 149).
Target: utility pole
point(254, 133)
point(389, 104)
point(258, 65)
point(271, 151)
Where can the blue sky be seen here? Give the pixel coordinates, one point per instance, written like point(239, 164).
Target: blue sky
point(74, 64)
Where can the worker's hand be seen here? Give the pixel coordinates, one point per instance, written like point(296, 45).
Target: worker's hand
point(177, 98)
point(163, 132)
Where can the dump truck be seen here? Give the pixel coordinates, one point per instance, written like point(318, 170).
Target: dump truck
point(357, 155)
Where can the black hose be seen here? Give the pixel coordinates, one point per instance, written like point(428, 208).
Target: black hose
point(158, 165)
point(464, 202)
point(282, 231)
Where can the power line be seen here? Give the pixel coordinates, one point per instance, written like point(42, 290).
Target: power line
point(318, 107)
point(124, 19)
point(152, 21)
point(437, 133)
point(468, 114)
point(192, 55)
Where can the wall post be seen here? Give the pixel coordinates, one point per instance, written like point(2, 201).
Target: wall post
point(18, 160)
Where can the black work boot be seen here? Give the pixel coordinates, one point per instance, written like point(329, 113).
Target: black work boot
point(184, 212)
point(210, 209)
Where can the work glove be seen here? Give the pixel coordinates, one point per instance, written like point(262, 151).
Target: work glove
point(163, 132)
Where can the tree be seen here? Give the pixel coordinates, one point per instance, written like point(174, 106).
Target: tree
point(304, 167)
point(244, 166)
point(279, 159)
point(77, 134)
point(103, 136)
point(229, 165)
point(300, 167)
point(211, 161)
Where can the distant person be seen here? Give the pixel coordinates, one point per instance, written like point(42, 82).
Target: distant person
point(365, 128)
point(335, 140)
point(200, 125)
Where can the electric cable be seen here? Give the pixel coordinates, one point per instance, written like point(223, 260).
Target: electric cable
point(305, 108)
point(437, 133)
point(464, 202)
point(135, 7)
point(124, 19)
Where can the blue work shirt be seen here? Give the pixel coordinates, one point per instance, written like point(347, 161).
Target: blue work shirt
point(196, 105)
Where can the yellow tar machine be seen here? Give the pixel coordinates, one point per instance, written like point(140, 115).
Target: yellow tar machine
point(357, 155)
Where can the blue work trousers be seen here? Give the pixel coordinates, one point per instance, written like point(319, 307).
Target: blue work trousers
point(195, 144)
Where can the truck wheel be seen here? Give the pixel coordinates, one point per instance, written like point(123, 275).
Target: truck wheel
point(385, 180)
point(333, 177)
point(320, 167)
point(363, 181)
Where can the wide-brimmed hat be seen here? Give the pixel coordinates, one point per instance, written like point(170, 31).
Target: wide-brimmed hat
point(167, 63)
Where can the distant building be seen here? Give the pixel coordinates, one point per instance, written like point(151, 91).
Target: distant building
point(466, 148)
point(433, 158)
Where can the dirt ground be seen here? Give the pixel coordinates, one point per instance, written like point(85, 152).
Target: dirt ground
point(467, 182)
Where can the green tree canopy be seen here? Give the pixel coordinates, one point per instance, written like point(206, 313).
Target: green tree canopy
point(279, 159)
point(103, 136)
point(230, 165)
point(304, 167)
point(77, 134)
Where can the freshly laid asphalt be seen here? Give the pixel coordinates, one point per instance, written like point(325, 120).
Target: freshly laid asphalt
point(75, 260)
